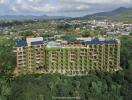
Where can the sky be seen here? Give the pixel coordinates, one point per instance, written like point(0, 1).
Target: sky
point(71, 8)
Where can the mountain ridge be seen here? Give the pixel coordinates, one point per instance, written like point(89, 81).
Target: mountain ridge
point(119, 13)
point(29, 17)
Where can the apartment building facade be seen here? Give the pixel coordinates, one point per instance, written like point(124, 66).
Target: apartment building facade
point(30, 53)
point(70, 59)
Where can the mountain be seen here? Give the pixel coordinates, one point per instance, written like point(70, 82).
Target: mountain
point(121, 13)
point(29, 17)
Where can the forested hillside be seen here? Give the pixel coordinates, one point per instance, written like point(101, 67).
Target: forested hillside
point(119, 14)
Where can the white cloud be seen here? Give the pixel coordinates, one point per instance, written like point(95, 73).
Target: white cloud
point(52, 7)
point(82, 7)
point(100, 1)
point(1, 1)
point(14, 9)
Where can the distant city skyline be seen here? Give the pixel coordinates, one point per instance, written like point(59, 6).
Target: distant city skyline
point(71, 8)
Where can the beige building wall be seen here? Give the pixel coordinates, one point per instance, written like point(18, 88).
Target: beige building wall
point(69, 60)
point(83, 60)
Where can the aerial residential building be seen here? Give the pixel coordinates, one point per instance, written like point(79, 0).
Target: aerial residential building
point(79, 58)
point(30, 53)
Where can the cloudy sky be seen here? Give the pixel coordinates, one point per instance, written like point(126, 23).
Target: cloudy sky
point(59, 7)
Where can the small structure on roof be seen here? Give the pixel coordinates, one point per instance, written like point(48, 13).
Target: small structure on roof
point(54, 44)
point(29, 42)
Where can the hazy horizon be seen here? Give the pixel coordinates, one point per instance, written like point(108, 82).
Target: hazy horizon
point(69, 8)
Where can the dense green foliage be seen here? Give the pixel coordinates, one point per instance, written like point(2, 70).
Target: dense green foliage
point(5, 89)
point(27, 33)
point(65, 27)
point(130, 34)
point(102, 86)
point(93, 33)
point(126, 52)
point(7, 56)
point(70, 38)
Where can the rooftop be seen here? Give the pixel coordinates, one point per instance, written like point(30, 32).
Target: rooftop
point(37, 43)
point(29, 42)
point(21, 43)
point(96, 41)
point(51, 44)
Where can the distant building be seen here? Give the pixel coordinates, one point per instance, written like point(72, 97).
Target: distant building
point(125, 33)
point(77, 29)
point(69, 59)
point(111, 33)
